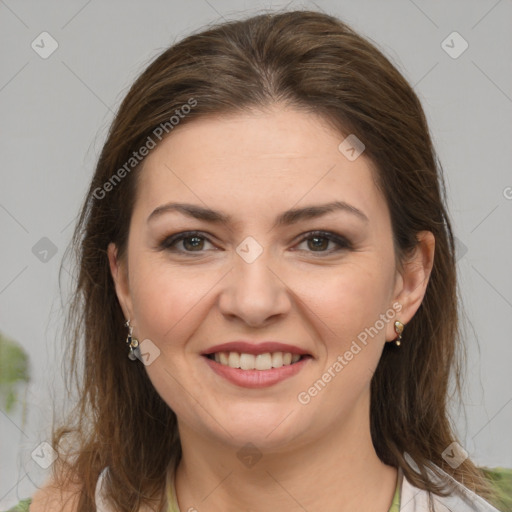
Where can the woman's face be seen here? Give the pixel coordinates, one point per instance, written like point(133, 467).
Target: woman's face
point(260, 276)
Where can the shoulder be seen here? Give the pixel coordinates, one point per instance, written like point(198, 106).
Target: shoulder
point(55, 498)
point(461, 499)
point(52, 498)
point(22, 506)
point(501, 481)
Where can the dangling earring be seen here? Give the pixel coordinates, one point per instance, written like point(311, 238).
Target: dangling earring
point(132, 342)
point(399, 329)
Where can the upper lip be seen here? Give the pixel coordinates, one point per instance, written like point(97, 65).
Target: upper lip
point(255, 348)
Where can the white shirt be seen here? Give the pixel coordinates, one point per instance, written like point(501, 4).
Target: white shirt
point(462, 499)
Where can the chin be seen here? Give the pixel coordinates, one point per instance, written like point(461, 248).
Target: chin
point(268, 427)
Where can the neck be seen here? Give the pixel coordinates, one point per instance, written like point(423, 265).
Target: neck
point(338, 471)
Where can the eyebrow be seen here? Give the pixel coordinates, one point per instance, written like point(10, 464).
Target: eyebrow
point(284, 219)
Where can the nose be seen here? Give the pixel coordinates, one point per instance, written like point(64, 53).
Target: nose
point(254, 292)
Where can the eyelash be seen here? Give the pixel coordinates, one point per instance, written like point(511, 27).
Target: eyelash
point(342, 242)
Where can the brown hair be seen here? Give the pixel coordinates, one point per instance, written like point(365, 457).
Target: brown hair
point(307, 60)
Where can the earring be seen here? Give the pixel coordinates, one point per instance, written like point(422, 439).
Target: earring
point(132, 342)
point(399, 328)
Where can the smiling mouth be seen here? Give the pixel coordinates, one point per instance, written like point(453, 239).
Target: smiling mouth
point(265, 361)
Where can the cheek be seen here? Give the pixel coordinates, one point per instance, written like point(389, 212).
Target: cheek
point(166, 298)
point(168, 306)
point(347, 300)
point(348, 310)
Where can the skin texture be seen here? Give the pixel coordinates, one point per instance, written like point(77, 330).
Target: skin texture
point(254, 166)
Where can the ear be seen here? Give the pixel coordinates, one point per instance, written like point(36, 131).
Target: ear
point(119, 271)
point(411, 283)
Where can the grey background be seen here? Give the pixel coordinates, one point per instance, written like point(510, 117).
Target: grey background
point(55, 113)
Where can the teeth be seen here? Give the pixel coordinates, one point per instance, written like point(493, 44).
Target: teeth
point(277, 359)
point(263, 361)
point(247, 362)
point(234, 360)
point(259, 362)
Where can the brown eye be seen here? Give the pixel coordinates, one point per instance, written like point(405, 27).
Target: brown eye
point(191, 242)
point(319, 242)
point(316, 242)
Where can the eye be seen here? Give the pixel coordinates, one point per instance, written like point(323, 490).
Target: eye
point(318, 241)
point(192, 241)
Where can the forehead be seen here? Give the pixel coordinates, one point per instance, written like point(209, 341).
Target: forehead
point(254, 160)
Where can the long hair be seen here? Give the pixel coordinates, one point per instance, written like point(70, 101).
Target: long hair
point(309, 61)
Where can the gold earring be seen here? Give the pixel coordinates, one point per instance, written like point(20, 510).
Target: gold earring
point(399, 329)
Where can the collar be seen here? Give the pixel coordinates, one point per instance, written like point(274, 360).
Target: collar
point(461, 499)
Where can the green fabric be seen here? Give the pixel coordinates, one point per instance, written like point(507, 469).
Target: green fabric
point(395, 506)
point(500, 479)
point(22, 506)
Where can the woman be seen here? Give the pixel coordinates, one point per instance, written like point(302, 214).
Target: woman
point(266, 228)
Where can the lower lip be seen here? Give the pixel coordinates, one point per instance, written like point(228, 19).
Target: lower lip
point(256, 378)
